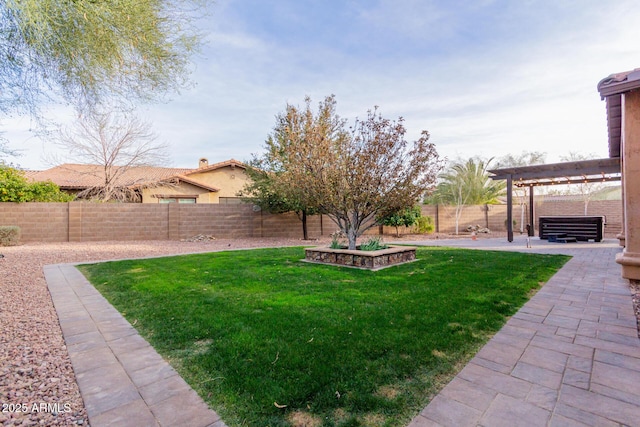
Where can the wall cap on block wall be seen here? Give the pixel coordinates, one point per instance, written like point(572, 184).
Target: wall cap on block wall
point(366, 260)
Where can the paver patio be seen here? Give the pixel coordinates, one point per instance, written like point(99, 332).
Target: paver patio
point(569, 357)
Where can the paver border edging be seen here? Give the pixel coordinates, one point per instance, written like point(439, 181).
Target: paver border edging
point(122, 379)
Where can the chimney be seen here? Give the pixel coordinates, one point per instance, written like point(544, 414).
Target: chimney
point(203, 163)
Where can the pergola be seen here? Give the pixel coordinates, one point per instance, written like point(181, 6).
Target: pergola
point(597, 170)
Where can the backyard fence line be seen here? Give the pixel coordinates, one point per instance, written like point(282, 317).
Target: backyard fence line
point(86, 222)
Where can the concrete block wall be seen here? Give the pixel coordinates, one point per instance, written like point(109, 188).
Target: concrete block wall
point(92, 222)
point(83, 222)
point(492, 217)
point(289, 225)
point(78, 221)
point(444, 216)
point(38, 222)
point(224, 221)
point(611, 209)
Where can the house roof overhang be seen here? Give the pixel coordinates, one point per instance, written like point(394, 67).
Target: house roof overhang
point(611, 89)
point(183, 178)
point(596, 170)
point(232, 163)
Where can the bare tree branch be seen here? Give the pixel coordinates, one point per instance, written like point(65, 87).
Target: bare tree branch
point(117, 143)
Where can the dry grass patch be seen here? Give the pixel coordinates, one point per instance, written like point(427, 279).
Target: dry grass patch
point(388, 392)
point(340, 416)
point(439, 354)
point(304, 419)
point(374, 420)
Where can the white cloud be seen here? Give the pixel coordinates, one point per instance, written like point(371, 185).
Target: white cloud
point(485, 78)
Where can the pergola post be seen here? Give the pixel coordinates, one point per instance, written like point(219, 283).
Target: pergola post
point(532, 218)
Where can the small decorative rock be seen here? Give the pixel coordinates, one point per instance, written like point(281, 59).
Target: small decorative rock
point(200, 238)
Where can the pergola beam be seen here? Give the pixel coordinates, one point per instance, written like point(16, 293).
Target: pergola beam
point(596, 167)
point(580, 172)
point(565, 181)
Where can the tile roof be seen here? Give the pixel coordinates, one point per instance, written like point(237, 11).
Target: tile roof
point(230, 162)
point(71, 176)
point(75, 176)
point(618, 83)
point(611, 89)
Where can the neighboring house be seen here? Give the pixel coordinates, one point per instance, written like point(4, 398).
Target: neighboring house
point(216, 183)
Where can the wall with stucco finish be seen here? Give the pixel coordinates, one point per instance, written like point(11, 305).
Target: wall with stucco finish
point(230, 180)
point(630, 257)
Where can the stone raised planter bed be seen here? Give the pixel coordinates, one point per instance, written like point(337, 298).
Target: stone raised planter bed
point(370, 260)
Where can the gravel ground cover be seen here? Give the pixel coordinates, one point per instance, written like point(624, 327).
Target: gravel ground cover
point(37, 383)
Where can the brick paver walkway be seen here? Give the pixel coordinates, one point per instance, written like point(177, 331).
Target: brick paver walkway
point(569, 357)
point(122, 379)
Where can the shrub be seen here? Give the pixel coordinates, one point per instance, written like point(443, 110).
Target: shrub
point(406, 217)
point(15, 187)
point(337, 240)
point(425, 225)
point(47, 192)
point(9, 235)
point(373, 244)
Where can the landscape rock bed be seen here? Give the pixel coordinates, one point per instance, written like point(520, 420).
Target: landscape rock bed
point(370, 260)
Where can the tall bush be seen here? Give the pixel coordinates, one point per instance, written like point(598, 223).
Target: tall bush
point(15, 187)
point(425, 225)
point(405, 217)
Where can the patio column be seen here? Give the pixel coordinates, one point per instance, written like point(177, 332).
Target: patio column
point(630, 256)
point(621, 236)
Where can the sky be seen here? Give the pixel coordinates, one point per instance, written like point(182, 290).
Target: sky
point(485, 78)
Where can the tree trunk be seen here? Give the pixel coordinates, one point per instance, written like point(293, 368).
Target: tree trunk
point(351, 235)
point(305, 233)
point(458, 215)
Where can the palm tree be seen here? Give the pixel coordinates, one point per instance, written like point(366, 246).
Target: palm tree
point(467, 182)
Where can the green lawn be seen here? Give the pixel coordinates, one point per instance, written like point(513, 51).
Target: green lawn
point(249, 330)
